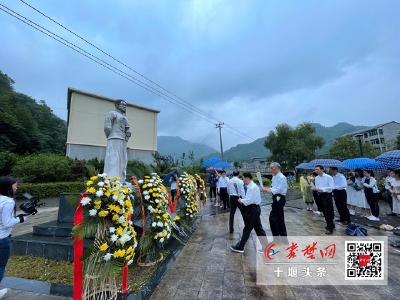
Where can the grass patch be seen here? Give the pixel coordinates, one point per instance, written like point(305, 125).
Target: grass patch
point(61, 272)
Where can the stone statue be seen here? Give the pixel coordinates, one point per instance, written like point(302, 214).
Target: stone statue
point(116, 128)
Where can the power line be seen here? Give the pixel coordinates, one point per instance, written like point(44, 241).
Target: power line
point(182, 103)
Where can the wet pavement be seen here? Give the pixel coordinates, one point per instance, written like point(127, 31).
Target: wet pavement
point(207, 269)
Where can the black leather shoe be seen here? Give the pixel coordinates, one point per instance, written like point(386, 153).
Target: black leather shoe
point(234, 248)
point(346, 222)
point(328, 232)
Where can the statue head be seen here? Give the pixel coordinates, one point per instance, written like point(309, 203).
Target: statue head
point(120, 105)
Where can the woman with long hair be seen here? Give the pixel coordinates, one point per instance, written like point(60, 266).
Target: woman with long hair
point(372, 194)
point(360, 199)
point(8, 219)
point(395, 191)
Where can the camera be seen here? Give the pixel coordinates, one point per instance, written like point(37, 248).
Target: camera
point(30, 207)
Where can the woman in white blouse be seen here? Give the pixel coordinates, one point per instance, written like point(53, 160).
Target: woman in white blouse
point(372, 194)
point(8, 187)
point(395, 190)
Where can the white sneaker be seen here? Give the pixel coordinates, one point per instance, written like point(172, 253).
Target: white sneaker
point(317, 212)
point(372, 218)
point(216, 204)
point(352, 212)
point(3, 292)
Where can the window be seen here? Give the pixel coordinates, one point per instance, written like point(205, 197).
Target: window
point(382, 140)
point(365, 135)
point(380, 131)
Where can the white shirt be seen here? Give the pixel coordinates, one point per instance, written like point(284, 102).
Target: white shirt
point(238, 190)
point(223, 182)
point(325, 183)
point(252, 195)
point(7, 219)
point(340, 181)
point(279, 184)
point(389, 182)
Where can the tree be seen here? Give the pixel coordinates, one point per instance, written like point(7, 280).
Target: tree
point(290, 146)
point(398, 142)
point(346, 147)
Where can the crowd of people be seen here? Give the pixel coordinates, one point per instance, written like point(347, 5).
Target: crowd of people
point(356, 192)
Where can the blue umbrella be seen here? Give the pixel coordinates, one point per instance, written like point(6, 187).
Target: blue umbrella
point(304, 166)
point(390, 159)
point(363, 163)
point(325, 162)
point(223, 165)
point(211, 161)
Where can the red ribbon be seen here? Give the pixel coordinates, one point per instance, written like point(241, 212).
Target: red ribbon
point(78, 253)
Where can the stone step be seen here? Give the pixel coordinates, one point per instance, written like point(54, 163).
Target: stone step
point(54, 229)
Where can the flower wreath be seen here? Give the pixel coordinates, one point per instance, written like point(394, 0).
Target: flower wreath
point(108, 202)
point(202, 188)
point(188, 189)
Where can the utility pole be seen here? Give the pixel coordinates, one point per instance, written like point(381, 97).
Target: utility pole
point(219, 126)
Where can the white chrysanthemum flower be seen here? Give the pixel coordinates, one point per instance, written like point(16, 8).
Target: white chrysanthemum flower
point(124, 238)
point(93, 212)
point(100, 184)
point(187, 214)
point(147, 197)
point(154, 224)
point(150, 208)
point(182, 189)
point(162, 240)
point(112, 229)
point(107, 181)
point(145, 192)
point(114, 238)
point(157, 200)
point(150, 185)
point(107, 257)
point(99, 193)
point(121, 219)
point(168, 235)
point(191, 216)
point(121, 202)
point(115, 197)
point(166, 224)
point(134, 245)
point(85, 201)
point(140, 181)
point(130, 262)
point(160, 224)
point(160, 234)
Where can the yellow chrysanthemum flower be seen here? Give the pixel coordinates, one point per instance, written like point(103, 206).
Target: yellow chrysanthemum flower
point(93, 178)
point(91, 190)
point(115, 218)
point(119, 253)
point(119, 231)
point(97, 202)
point(103, 213)
point(107, 194)
point(89, 183)
point(103, 247)
point(164, 233)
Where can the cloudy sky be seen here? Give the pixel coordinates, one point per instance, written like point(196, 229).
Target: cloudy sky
point(251, 64)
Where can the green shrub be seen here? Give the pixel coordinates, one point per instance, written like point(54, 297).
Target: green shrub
point(7, 162)
point(137, 168)
point(49, 190)
point(96, 164)
point(266, 181)
point(43, 168)
point(78, 169)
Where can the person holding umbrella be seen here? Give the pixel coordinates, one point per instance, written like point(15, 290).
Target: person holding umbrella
point(340, 195)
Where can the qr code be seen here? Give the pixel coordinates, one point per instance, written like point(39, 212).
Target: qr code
point(364, 260)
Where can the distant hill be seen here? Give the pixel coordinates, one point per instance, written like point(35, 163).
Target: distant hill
point(331, 133)
point(175, 146)
point(257, 149)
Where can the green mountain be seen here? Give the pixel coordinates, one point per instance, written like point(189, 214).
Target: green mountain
point(257, 149)
point(28, 126)
point(176, 146)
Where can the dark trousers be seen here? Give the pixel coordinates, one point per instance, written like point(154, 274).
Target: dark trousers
point(389, 199)
point(5, 250)
point(277, 216)
point(327, 209)
point(340, 197)
point(251, 218)
point(234, 205)
point(372, 199)
point(173, 193)
point(213, 191)
point(317, 201)
point(224, 196)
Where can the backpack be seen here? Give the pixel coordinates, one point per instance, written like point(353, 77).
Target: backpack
point(355, 230)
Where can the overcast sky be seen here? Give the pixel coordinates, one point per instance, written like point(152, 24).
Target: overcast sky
point(252, 64)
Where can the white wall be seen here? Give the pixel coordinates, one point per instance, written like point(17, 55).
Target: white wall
point(86, 123)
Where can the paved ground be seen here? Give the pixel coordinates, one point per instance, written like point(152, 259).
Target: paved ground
point(22, 295)
point(206, 268)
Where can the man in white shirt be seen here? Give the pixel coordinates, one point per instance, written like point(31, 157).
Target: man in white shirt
point(324, 185)
point(251, 212)
point(222, 187)
point(340, 195)
point(279, 190)
point(236, 191)
point(388, 195)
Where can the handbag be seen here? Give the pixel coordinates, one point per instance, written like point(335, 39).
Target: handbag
point(355, 230)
